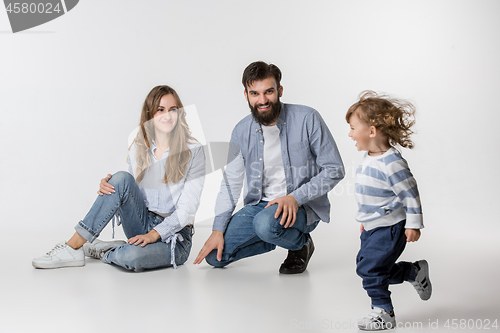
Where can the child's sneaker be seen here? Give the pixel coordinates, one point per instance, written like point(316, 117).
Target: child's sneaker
point(422, 282)
point(377, 320)
point(62, 255)
point(98, 247)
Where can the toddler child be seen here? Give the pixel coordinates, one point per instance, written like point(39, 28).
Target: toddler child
point(388, 204)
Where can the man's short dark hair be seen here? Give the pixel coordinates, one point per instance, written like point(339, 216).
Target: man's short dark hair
point(258, 71)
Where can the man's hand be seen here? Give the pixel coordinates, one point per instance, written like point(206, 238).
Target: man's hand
point(215, 241)
point(105, 187)
point(288, 206)
point(412, 235)
point(149, 238)
point(361, 228)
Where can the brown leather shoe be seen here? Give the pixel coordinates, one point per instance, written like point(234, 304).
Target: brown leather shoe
point(296, 261)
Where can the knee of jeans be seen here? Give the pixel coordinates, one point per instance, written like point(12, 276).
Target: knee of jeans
point(359, 270)
point(211, 259)
point(266, 227)
point(128, 258)
point(362, 267)
point(121, 177)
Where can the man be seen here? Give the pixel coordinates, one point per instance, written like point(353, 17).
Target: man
point(290, 161)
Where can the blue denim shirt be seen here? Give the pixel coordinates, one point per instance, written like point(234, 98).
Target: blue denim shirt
point(311, 160)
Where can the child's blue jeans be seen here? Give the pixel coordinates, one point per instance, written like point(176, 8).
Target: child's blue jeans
point(136, 219)
point(376, 263)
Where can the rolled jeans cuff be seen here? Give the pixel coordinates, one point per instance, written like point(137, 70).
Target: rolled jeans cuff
point(387, 306)
point(85, 232)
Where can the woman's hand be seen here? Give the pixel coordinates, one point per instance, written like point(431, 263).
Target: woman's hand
point(149, 238)
point(105, 187)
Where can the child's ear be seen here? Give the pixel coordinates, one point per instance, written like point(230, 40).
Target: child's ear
point(373, 131)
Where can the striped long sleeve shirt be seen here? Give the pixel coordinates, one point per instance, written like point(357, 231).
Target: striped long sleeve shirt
point(386, 192)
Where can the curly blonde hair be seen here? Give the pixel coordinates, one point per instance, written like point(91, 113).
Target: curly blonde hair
point(392, 117)
point(179, 155)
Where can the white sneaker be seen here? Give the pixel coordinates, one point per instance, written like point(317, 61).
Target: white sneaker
point(97, 248)
point(62, 255)
point(378, 320)
point(422, 283)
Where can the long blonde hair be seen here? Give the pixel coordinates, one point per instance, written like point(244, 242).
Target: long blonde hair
point(179, 155)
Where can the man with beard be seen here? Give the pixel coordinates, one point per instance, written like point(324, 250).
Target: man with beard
point(290, 161)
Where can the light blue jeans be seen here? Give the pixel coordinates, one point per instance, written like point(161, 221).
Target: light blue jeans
point(253, 230)
point(136, 219)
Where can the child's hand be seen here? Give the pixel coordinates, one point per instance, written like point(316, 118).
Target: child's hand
point(361, 228)
point(412, 235)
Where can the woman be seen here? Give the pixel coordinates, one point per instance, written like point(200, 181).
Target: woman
point(156, 201)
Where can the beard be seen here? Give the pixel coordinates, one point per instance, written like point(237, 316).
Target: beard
point(268, 117)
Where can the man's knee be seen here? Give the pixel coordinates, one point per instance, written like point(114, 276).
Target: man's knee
point(266, 226)
point(211, 259)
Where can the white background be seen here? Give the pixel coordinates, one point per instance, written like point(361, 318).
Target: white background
point(71, 91)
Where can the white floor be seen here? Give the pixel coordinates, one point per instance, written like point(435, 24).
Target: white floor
point(248, 296)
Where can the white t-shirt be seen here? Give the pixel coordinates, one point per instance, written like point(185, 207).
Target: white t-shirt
point(274, 182)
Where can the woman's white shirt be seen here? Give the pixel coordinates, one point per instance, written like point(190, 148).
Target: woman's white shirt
point(177, 202)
